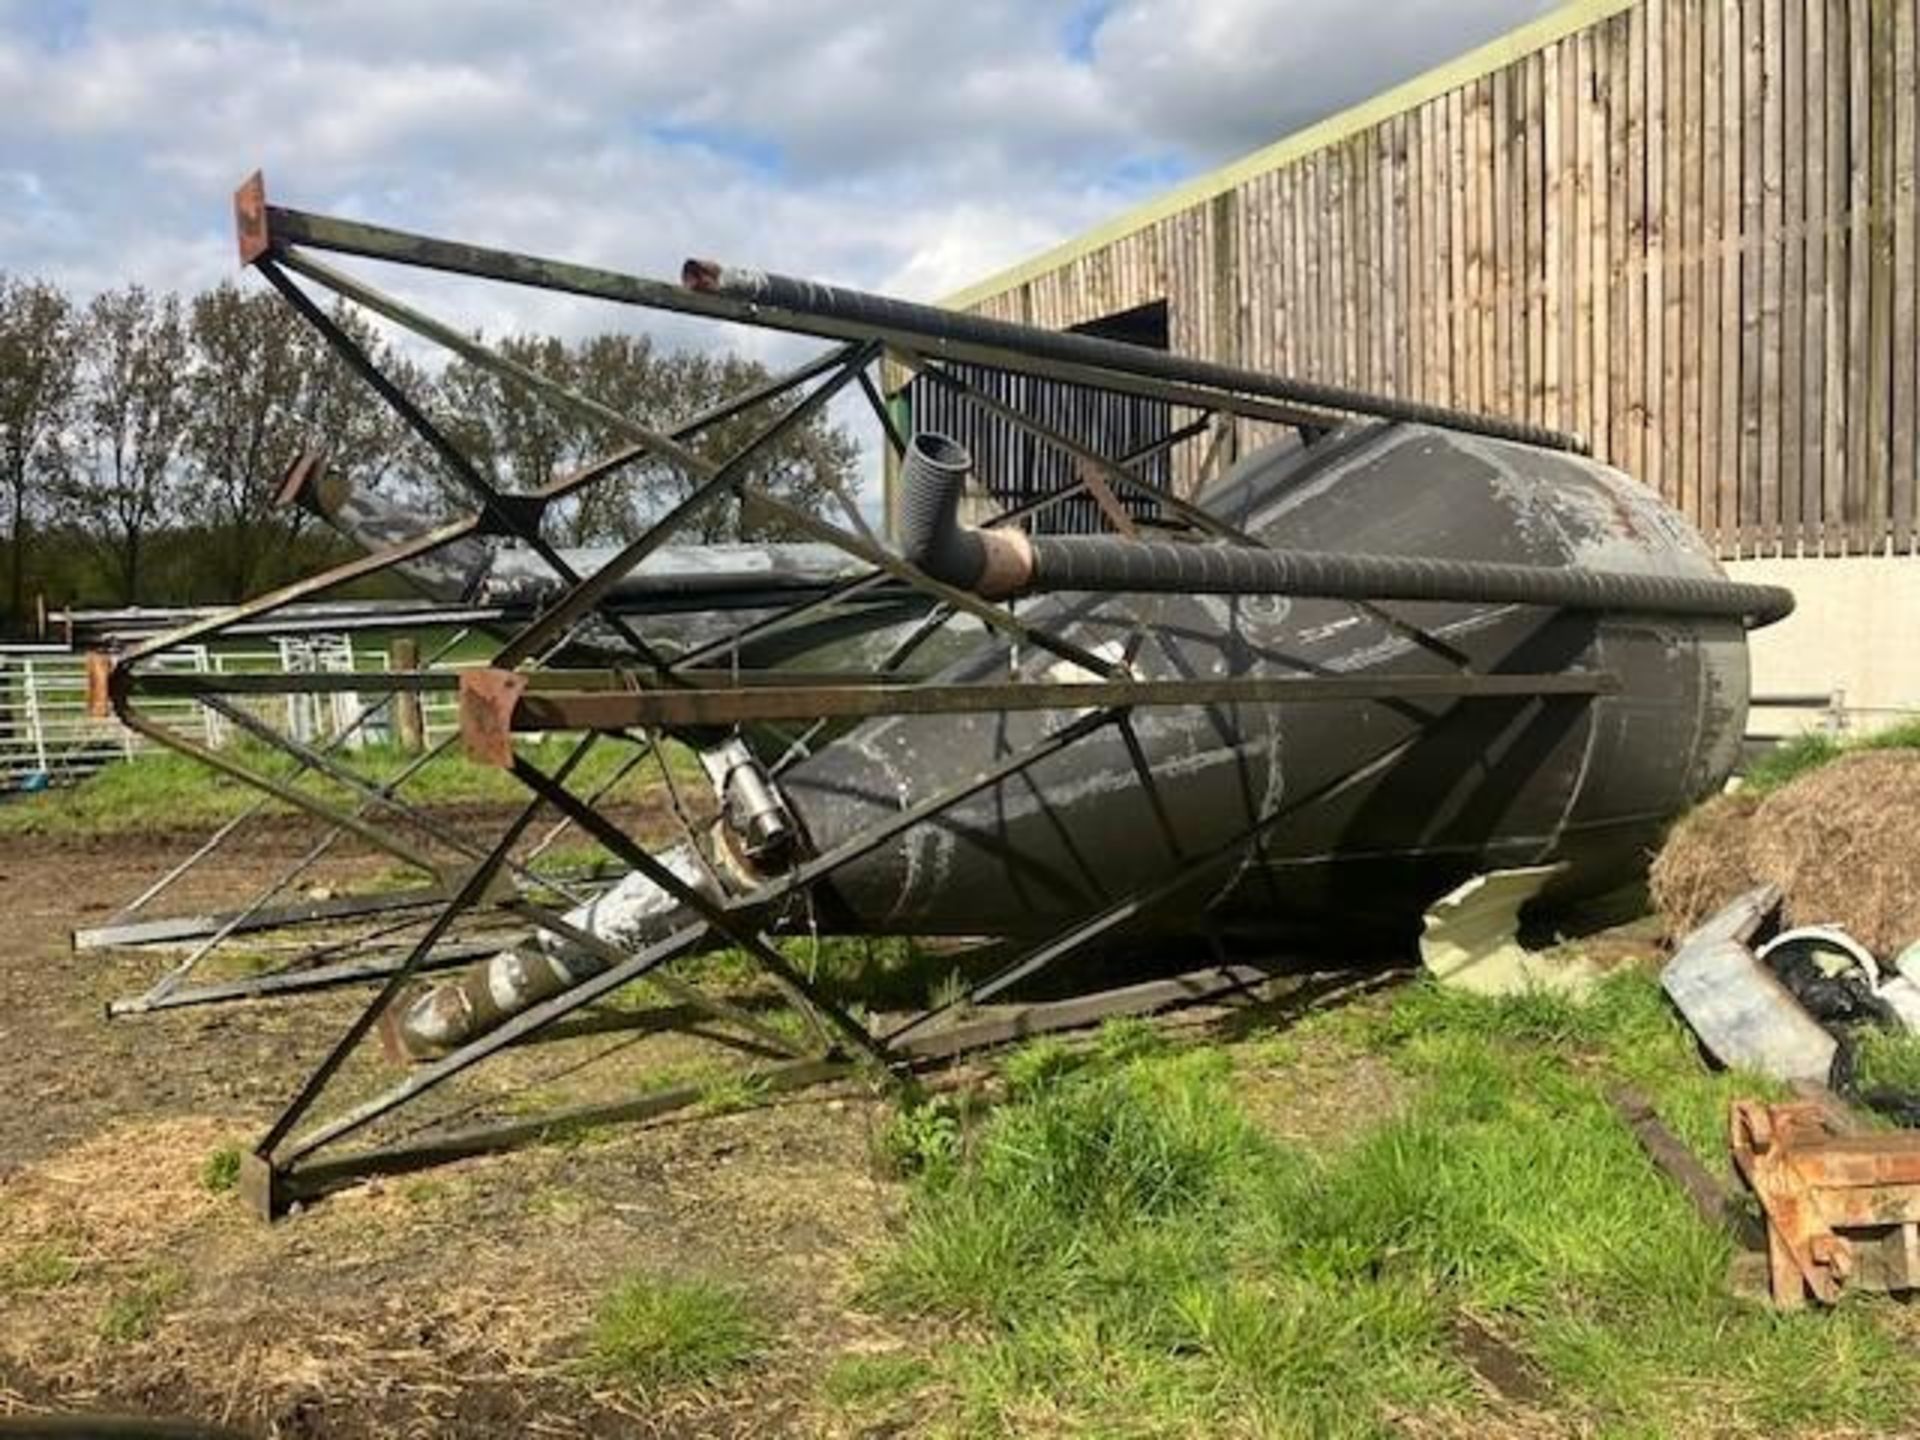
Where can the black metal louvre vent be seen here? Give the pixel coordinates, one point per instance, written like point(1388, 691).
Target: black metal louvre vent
point(1019, 469)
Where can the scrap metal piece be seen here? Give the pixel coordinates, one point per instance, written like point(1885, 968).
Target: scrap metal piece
point(1842, 1206)
point(1744, 1017)
point(1741, 919)
point(1470, 938)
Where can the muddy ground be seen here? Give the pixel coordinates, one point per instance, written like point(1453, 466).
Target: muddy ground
point(449, 1302)
point(453, 1301)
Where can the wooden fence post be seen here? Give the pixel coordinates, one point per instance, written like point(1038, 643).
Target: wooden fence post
point(409, 726)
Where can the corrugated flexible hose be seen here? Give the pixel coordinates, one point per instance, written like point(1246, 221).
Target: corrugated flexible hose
point(998, 564)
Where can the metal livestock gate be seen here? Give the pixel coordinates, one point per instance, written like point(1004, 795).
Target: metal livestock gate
point(49, 736)
point(1685, 229)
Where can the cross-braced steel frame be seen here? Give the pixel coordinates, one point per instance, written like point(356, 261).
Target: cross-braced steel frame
point(535, 682)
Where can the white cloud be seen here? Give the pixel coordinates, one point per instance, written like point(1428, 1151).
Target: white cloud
point(1229, 76)
point(910, 147)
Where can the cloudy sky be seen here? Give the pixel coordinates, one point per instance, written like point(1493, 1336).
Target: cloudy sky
point(905, 145)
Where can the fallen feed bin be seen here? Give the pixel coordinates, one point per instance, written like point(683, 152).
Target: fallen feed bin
point(1408, 796)
point(1401, 646)
point(1272, 821)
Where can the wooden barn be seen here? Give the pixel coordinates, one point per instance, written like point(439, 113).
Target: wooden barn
point(1685, 229)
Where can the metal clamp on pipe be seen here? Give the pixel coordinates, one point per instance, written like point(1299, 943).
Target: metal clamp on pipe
point(751, 805)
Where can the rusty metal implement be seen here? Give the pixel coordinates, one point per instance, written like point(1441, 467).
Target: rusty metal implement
point(1842, 1205)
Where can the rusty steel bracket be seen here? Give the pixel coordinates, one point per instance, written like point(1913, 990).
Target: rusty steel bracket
point(250, 225)
point(1842, 1205)
point(488, 699)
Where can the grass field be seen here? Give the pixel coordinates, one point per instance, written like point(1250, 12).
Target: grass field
point(1794, 758)
point(160, 790)
point(1414, 1213)
point(1122, 1247)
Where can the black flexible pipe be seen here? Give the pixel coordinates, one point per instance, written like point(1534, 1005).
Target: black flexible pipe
point(936, 466)
point(810, 297)
point(930, 533)
point(991, 563)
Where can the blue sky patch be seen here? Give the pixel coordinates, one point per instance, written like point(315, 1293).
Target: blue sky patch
point(760, 156)
point(1077, 35)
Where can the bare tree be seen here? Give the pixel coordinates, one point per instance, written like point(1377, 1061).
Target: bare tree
point(248, 357)
point(517, 439)
point(363, 437)
point(36, 382)
point(523, 440)
point(132, 417)
point(803, 468)
point(265, 386)
point(621, 372)
point(149, 433)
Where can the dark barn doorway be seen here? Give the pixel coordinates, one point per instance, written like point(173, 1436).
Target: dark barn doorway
point(1017, 468)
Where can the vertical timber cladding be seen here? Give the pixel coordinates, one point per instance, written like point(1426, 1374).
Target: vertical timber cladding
point(1688, 229)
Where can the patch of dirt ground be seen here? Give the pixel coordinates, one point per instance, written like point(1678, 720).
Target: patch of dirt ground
point(1312, 1086)
point(453, 1301)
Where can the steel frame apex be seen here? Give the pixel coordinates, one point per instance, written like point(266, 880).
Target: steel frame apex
point(251, 227)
